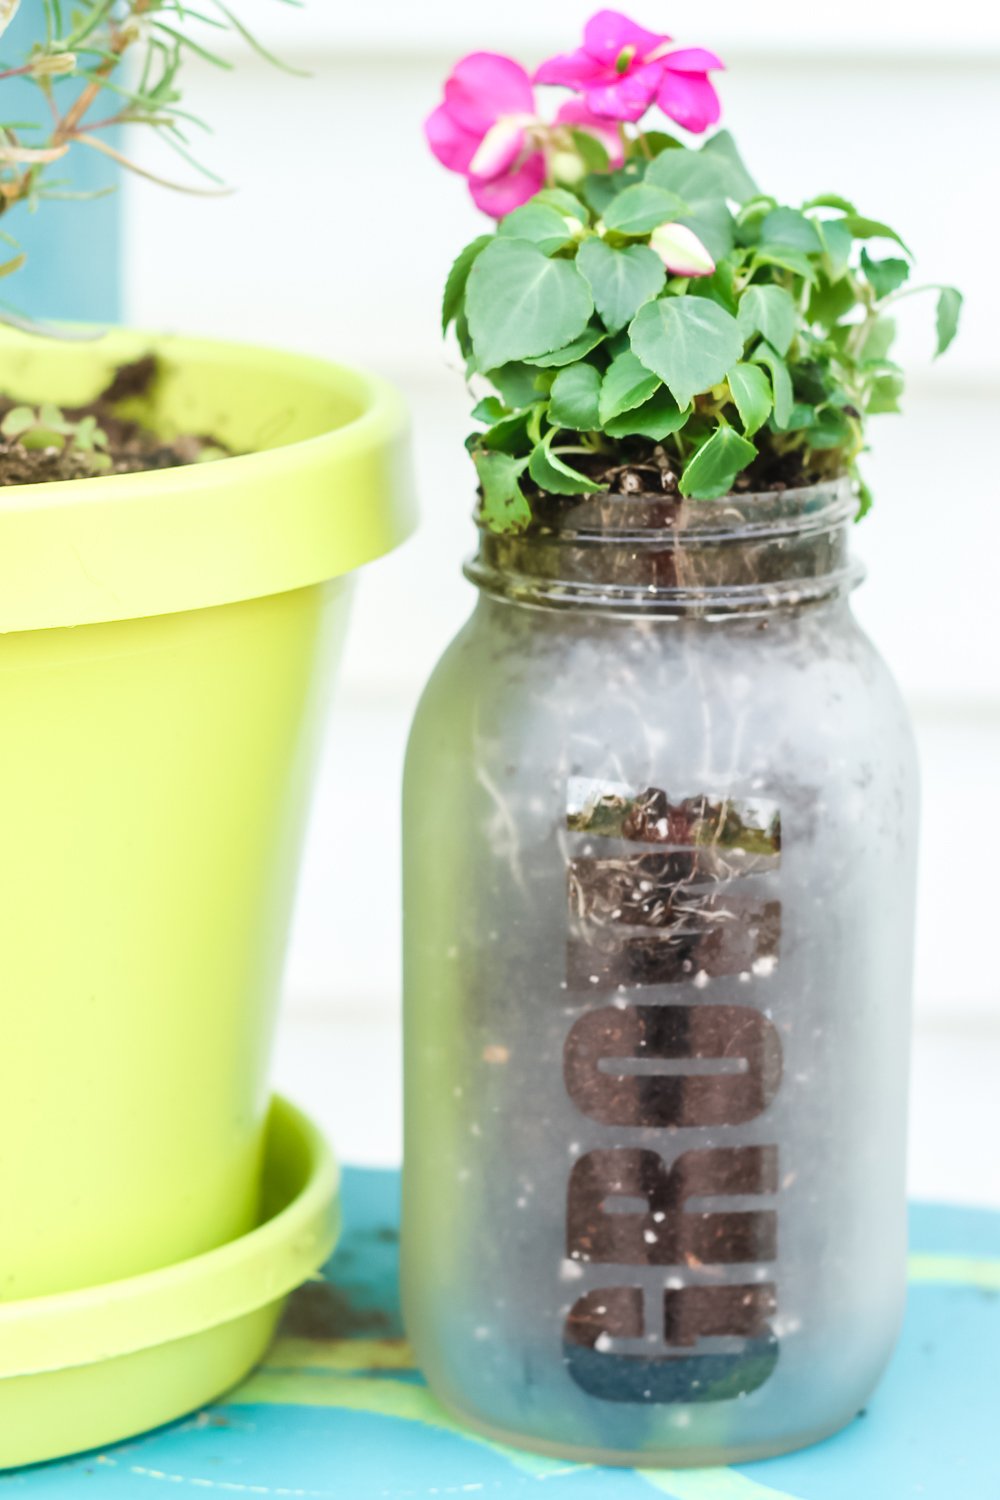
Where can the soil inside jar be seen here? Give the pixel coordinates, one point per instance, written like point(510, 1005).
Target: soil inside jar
point(639, 466)
point(131, 446)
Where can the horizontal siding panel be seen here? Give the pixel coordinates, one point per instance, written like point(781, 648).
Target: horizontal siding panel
point(895, 29)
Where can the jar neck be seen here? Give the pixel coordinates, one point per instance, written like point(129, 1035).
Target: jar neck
point(661, 555)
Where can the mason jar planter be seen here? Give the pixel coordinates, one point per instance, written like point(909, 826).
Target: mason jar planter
point(660, 838)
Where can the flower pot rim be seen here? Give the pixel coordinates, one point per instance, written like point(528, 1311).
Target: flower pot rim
point(333, 494)
point(98, 1324)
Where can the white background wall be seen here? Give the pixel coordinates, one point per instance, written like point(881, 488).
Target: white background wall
point(338, 242)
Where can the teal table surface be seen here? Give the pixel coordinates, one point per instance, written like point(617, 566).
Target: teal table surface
point(338, 1412)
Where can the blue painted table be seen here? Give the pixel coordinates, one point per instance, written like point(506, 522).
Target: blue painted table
point(337, 1411)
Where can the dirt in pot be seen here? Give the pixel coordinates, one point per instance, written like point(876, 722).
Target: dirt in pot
point(49, 442)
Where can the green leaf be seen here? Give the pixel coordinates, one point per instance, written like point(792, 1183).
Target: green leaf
point(642, 208)
point(591, 151)
point(885, 393)
point(831, 428)
point(713, 468)
point(656, 418)
point(690, 342)
point(751, 216)
point(720, 287)
point(791, 230)
point(696, 176)
point(599, 188)
point(659, 140)
point(812, 382)
point(504, 507)
point(795, 261)
point(569, 353)
point(53, 417)
point(621, 280)
point(458, 276)
point(574, 400)
point(781, 383)
point(539, 223)
point(520, 303)
point(700, 179)
point(490, 409)
point(878, 340)
point(829, 301)
point(516, 384)
point(557, 478)
point(462, 334)
point(873, 229)
point(627, 384)
point(738, 183)
point(949, 310)
point(832, 200)
point(752, 394)
point(802, 417)
point(564, 202)
point(771, 311)
point(19, 419)
point(884, 276)
point(617, 343)
point(838, 242)
point(509, 435)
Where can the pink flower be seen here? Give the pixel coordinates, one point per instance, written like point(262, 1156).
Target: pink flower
point(621, 68)
point(486, 130)
point(686, 93)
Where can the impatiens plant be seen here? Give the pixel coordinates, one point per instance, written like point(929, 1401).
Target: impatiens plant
point(644, 316)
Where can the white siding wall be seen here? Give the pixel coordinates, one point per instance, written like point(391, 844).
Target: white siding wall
point(338, 242)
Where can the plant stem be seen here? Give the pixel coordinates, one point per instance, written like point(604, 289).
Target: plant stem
point(74, 115)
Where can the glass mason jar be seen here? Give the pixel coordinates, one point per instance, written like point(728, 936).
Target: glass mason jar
point(660, 839)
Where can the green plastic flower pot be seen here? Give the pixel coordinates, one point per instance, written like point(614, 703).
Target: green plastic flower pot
point(166, 642)
point(87, 1367)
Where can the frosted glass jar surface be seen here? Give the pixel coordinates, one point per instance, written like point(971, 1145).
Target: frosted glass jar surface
point(660, 839)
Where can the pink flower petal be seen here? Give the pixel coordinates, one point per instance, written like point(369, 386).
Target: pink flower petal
point(575, 113)
point(692, 60)
point(484, 86)
point(498, 150)
point(690, 99)
point(629, 97)
point(681, 251)
point(571, 70)
point(608, 33)
point(453, 146)
point(503, 194)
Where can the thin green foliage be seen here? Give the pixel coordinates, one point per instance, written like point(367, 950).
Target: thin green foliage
point(98, 66)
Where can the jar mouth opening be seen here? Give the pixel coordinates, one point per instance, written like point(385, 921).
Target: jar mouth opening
point(671, 520)
point(665, 555)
